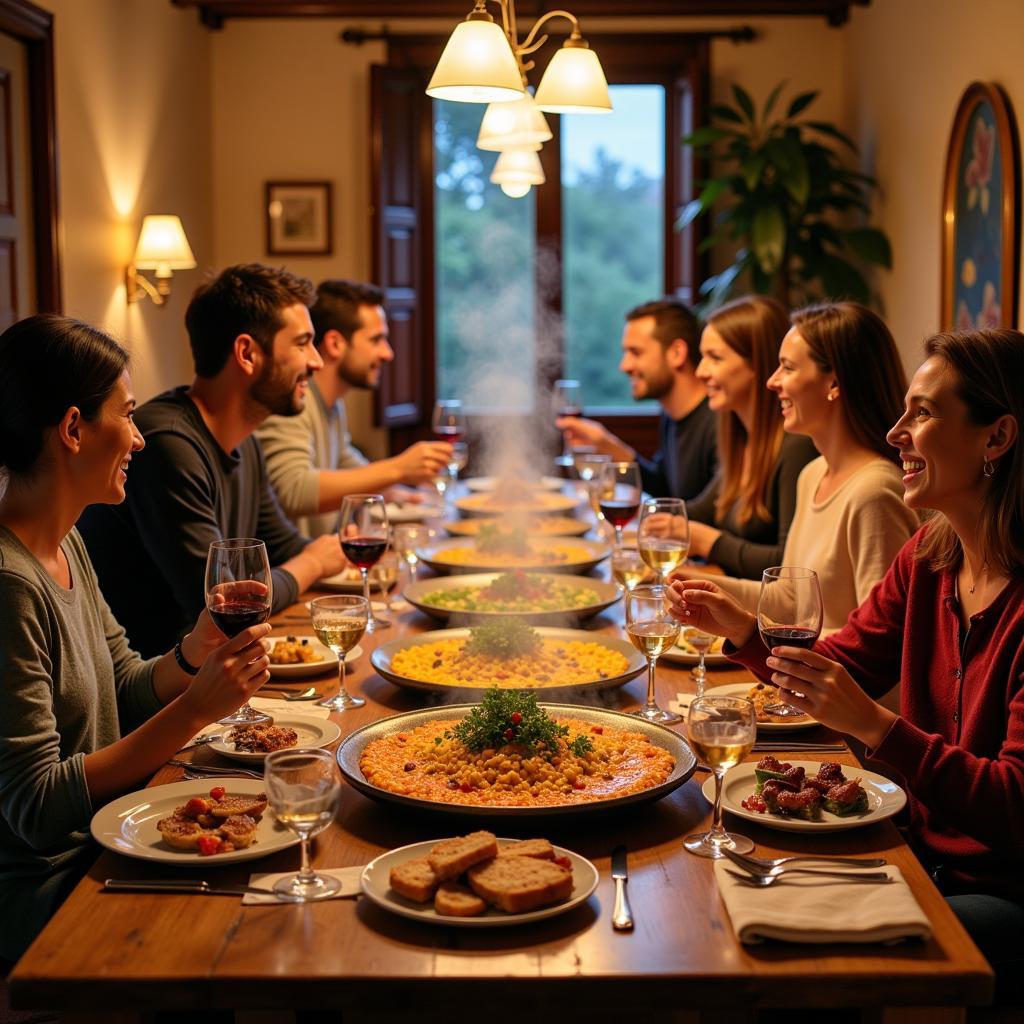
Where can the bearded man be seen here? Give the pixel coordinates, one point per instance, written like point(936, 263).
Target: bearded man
point(310, 457)
point(660, 350)
point(201, 476)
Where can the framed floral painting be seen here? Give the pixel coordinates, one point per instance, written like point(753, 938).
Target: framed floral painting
point(981, 213)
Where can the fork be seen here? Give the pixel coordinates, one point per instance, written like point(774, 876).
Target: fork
point(759, 865)
point(191, 774)
point(763, 881)
point(212, 769)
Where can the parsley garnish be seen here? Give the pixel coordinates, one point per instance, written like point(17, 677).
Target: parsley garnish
point(504, 638)
point(493, 538)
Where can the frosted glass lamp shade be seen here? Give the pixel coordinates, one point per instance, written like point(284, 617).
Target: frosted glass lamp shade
point(477, 66)
point(518, 167)
point(163, 246)
point(574, 83)
point(515, 191)
point(514, 125)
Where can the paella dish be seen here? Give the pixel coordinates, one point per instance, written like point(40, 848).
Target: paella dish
point(545, 526)
point(515, 591)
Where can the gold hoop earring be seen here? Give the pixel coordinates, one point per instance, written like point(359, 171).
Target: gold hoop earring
point(988, 468)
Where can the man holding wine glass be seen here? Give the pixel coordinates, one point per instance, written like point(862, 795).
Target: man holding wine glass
point(201, 476)
point(310, 457)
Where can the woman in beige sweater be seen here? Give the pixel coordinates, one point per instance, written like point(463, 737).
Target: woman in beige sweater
point(840, 383)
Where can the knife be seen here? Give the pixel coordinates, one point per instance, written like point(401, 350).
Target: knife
point(180, 885)
point(622, 916)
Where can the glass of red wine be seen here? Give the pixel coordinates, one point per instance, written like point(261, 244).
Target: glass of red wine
point(238, 595)
point(620, 495)
point(363, 533)
point(449, 424)
point(567, 399)
point(789, 614)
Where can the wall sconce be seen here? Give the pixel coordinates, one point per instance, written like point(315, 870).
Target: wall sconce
point(162, 247)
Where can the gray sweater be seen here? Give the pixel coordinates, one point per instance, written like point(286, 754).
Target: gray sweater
point(69, 685)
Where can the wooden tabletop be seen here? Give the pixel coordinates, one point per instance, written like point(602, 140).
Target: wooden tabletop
point(144, 951)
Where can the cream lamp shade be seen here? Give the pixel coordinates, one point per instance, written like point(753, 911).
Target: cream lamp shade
point(515, 125)
point(518, 167)
point(477, 65)
point(574, 82)
point(515, 191)
point(163, 246)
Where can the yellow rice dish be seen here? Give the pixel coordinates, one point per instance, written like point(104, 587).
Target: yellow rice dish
point(555, 663)
point(549, 526)
point(540, 554)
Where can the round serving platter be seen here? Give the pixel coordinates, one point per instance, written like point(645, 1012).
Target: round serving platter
point(351, 749)
point(382, 658)
point(593, 553)
point(479, 484)
point(605, 595)
point(540, 503)
point(554, 526)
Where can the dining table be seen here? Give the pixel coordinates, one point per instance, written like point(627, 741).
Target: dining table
point(121, 956)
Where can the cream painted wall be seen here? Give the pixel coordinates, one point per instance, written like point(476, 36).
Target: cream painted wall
point(907, 62)
point(133, 121)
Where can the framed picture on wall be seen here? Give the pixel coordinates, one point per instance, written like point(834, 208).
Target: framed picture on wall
point(981, 213)
point(298, 218)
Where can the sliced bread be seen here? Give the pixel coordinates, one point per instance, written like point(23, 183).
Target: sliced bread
point(415, 879)
point(539, 848)
point(450, 857)
point(454, 900)
point(518, 884)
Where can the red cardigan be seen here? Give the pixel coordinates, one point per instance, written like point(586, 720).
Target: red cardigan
point(959, 740)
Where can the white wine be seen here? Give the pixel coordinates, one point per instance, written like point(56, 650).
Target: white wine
point(653, 638)
point(663, 554)
point(628, 571)
point(308, 820)
point(720, 755)
point(341, 635)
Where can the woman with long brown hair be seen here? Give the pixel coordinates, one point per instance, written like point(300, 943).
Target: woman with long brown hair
point(947, 623)
point(741, 521)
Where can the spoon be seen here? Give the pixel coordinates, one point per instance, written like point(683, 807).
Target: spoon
point(308, 694)
point(763, 881)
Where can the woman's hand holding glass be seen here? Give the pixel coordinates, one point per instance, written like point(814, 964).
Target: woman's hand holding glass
point(703, 605)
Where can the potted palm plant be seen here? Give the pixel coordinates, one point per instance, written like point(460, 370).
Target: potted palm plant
point(781, 193)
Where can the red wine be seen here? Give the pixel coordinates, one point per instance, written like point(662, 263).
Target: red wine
point(453, 435)
point(570, 410)
point(618, 512)
point(788, 636)
point(364, 552)
point(232, 617)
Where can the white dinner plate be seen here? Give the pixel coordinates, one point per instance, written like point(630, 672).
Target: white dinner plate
point(375, 884)
point(328, 659)
point(128, 825)
point(489, 483)
point(885, 799)
point(741, 690)
point(313, 732)
point(411, 511)
point(348, 581)
point(681, 655)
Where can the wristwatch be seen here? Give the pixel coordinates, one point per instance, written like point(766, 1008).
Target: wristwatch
point(179, 657)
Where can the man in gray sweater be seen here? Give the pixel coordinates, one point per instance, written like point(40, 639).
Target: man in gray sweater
point(310, 457)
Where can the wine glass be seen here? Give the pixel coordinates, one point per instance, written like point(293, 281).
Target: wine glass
point(408, 538)
point(448, 420)
point(652, 630)
point(363, 532)
point(722, 732)
point(663, 536)
point(789, 614)
point(339, 623)
point(460, 456)
point(567, 399)
point(628, 568)
point(701, 642)
point(303, 790)
point(238, 595)
point(619, 500)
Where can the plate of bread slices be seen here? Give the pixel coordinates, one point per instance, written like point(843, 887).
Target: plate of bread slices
point(479, 881)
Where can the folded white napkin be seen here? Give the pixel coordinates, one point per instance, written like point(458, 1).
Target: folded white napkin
point(349, 878)
point(289, 707)
point(803, 908)
point(681, 704)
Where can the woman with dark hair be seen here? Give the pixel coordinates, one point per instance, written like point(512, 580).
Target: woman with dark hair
point(82, 717)
point(741, 520)
point(947, 623)
point(840, 382)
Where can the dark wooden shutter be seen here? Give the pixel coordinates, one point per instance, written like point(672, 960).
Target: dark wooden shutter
point(400, 120)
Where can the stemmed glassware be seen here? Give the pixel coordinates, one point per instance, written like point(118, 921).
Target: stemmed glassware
point(448, 420)
point(567, 399)
point(663, 535)
point(722, 732)
point(303, 790)
point(238, 595)
point(789, 614)
point(701, 642)
point(619, 500)
point(652, 630)
point(628, 568)
point(363, 532)
point(408, 538)
point(339, 623)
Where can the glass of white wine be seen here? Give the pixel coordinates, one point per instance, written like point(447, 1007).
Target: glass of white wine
point(652, 630)
point(339, 623)
point(408, 538)
point(722, 732)
point(663, 535)
point(303, 790)
point(628, 568)
point(701, 642)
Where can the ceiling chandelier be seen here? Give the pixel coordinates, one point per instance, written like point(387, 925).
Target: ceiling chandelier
point(483, 62)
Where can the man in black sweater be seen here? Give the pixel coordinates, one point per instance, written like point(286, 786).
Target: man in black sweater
point(201, 476)
point(660, 353)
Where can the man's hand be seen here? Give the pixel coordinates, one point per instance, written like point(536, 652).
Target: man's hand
point(579, 432)
point(421, 462)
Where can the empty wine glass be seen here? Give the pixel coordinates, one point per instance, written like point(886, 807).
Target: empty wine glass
point(409, 537)
point(722, 732)
point(619, 500)
point(339, 623)
point(663, 535)
point(303, 790)
point(363, 532)
point(789, 614)
point(652, 630)
point(238, 595)
point(701, 642)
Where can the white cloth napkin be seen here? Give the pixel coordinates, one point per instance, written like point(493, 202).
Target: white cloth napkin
point(349, 878)
point(803, 908)
point(681, 704)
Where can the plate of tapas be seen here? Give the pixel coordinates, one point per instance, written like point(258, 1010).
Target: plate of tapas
point(247, 743)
